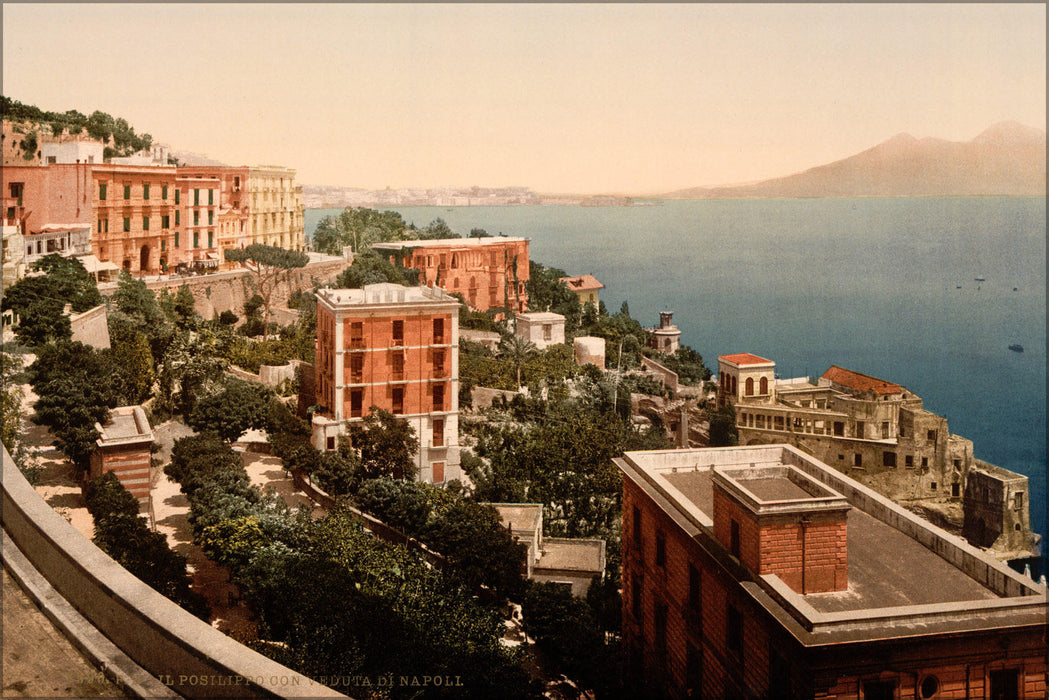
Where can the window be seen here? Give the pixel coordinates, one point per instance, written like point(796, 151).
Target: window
point(127, 191)
point(356, 367)
point(635, 591)
point(165, 221)
point(102, 190)
point(888, 459)
point(548, 331)
point(145, 223)
point(330, 443)
point(734, 633)
point(839, 428)
point(398, 332)
point(177, 192)
point(196, 197)
point(398, 400)
point(438, 363)
point(637, 530)
point(357, 334)
point(356, 402)
point(734, 538)
point(196, 218)
point(885, 429)
point(127, 224)
point(779, 675)
point(163, 244)
point(695, 591)
point(438, 397)
point(932, 485)
point(659, 614)
point(859, 429)
point(930, 436)
point(879, 690)
point(1005, 684)
point(925, 462)
point(163, 191)
point(661, 548)
point(397, 365)
point(438, 330)
point(196, 239)
point(211, 197)
point(438, 432)
point(176, 239)
point(857, 459)
point(438, 472)
point(693, 671)
point(211, 217)
point(764, 387)
point(145, 190)
point(211, 239)
point(177, 217)
point(1018, 500)
point(749, 387)
point(908, 461)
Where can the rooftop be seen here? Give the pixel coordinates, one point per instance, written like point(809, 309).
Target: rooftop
point(520, 516)
point(548, 316)
point(561, 554)
point(582, 283)
point(745, 358)
point(384, 293)
point(893, 555)
point(860, 382)
point(125, 424)
point(449, 243)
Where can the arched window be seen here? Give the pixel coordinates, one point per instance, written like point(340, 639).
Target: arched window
point(764, 385)
point(749, 390)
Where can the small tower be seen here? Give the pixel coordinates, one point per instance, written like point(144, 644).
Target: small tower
point(667, 337)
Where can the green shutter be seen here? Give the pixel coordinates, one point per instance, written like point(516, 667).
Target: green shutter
point(211, 239)
point(177, 217)
point(145, 223)
point(127, 224)
point(102, 190)
point(176, 239)
point(211, 217)
point(177, 195)
point(164, 192)
point(196, 239)
point(127, 191)
point(145, 190)
point(211, 196)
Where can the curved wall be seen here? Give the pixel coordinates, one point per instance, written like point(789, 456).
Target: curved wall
point(193, 658)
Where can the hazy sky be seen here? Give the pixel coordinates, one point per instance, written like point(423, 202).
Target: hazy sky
point(567, 98)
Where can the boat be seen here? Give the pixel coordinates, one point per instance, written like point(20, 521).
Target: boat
point(981, 279)
point(1016, 347)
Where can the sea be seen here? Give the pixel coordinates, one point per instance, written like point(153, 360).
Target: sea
point(929, 293)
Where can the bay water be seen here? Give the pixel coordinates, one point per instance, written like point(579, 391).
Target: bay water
point(925, 292)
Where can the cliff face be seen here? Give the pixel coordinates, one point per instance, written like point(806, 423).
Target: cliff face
point(1008, 159)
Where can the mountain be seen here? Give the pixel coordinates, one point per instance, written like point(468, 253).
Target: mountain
point(1008, 159)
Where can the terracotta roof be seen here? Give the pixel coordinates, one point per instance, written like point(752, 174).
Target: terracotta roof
point(860, 382)
point(744, 358)
point(582, 282)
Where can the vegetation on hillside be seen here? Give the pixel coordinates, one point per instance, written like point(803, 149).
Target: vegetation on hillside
point(360, 227)
point(119, 136)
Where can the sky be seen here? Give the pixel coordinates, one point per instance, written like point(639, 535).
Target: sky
point(568, 98)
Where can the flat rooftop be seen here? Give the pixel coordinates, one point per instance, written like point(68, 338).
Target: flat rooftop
point(384, 293)
point(449, 242)
point(125, 424)
point(520, 516)
point(585, 555)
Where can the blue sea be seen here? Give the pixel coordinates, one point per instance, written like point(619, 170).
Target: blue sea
point(883, 286)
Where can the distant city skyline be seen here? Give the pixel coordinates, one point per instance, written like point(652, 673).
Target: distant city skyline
point(632, 99)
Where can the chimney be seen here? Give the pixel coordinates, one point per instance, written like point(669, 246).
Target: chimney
point(776, 520)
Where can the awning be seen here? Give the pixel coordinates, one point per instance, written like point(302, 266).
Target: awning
point(213, 256)
point(93, 264)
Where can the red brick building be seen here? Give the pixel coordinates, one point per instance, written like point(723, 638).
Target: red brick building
point(396, 348)
point(489, 272)
point(123, 447)
point(760, 572)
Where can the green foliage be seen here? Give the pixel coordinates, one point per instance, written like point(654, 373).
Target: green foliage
point(99, 125)
point(233, 541)
point(723, 431)
point(123, 535)
point(267, 263)
point(403, 505)
point(11, 414)
point(359, 227)
point(546, 291)
point(686, 362)
point(199, 459)
point(228, 318)
point(130, 352)
point(517, 351)
point(38, 301)
point(437, 230)
point(338, 471)
point(75, 384)
point(235, 407)
point(479, 233)
point(387, 445)
point(370, 268)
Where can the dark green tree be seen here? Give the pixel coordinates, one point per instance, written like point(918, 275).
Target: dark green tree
point(723, 431)
point(387, 445)
point(371, 268)
point(400, 504)
point(236, 406)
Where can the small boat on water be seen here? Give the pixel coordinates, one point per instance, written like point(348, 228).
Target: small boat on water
point(1016, 347)
point(981, 279)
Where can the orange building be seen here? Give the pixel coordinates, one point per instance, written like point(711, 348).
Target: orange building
point(396, 348)
point(489, 272)
point(123, 447)
point(761, 572)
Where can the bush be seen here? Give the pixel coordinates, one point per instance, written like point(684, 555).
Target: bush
point(402, 505)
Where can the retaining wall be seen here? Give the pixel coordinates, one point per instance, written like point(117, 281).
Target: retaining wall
point(186, 653)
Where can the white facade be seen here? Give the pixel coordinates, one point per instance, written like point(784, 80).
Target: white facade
point(541, 328)
point(71, 152)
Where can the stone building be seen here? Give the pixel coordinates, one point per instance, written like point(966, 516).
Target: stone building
point(874, 430)
point(760, 572)
point(589, 350)
point(123, 447)
point(395, 348)
point(997, 509)
point(541, 328)
point(666, 337)
point(585, 287)
point(488, 272)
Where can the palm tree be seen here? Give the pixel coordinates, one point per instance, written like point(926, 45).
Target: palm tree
point(517, 350)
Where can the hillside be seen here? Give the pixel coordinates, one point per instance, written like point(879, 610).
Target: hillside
point(1007, 159)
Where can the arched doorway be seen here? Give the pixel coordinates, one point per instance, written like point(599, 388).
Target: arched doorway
point(143, 263)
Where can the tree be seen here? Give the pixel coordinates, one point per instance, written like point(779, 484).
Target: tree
point(237, 406)
point(565, 627)
point(370, 268)
point(75, 384)
point(479, 233)
point(436, 230)
point(38, 301)
point(518, 350)
point(358, 227)
point(400, 504)
point(723, 431)
point(338, 471)
point(12, 414)
point(267, 263)
point(387, 445)
point(130, 352)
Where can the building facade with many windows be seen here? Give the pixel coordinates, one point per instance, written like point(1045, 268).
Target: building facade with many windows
point(760, 572)
point(394, 348)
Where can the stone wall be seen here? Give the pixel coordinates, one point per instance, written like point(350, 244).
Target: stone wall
point(91, 327)
point(227, 291)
